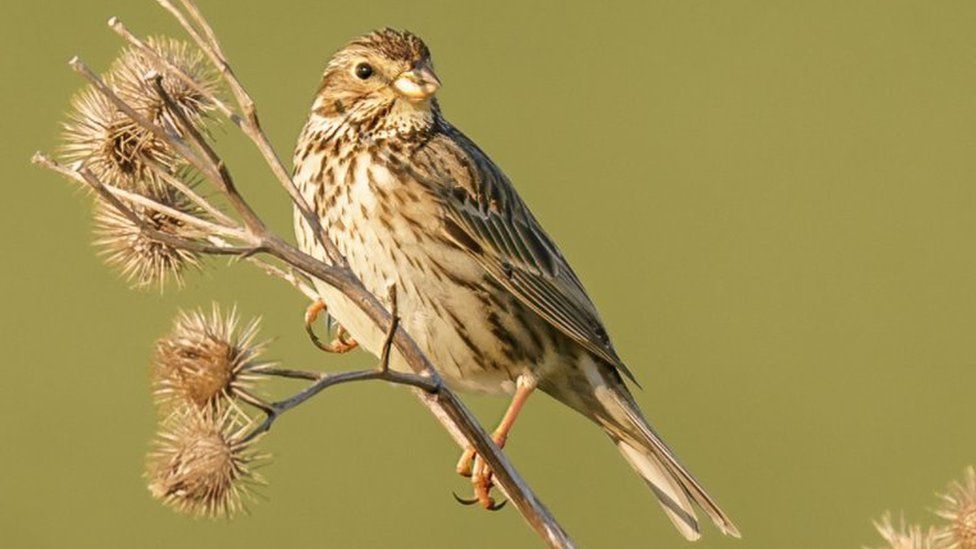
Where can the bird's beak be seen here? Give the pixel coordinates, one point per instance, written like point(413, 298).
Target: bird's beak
point(417, 84)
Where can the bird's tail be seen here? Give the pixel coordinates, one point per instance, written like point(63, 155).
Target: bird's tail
point(673, 485)
point(614, 409)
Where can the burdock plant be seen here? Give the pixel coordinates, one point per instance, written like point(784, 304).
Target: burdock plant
point(207, 362)
point(112, 146)
point(145, 261)
point(959, 511)
point(903, 536)
point(137, 137)
point(203, 463)
point(957, 529)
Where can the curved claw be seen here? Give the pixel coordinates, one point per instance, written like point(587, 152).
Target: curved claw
point(463, 501)
point(343, 343)
point(490, 507)
point(315, 338)
point(343, 337)
point(497, 506)
point(311, 315)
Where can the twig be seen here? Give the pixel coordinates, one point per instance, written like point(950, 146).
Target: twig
point(115, 24)
point(289, 373)
point(215, 164)
point(394, 324)
point(429, 384)
point(83, 176)
point(203, 224)
point(181, 186)
point(290, 276)
point(252, 126)
point(274, 411)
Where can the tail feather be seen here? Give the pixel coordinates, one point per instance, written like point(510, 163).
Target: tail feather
point(612, 407)
point(654, 461)
point(672, 495)
point(659, 467)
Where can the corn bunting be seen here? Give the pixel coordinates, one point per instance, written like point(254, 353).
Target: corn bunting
point(412, 202)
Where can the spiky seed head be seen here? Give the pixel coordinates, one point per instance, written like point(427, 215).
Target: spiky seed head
point(207, 360)
point(143, 260)
point(129, 72)
point(959, 510)
point(902, 536)
point(111, 145)
point(202, 463)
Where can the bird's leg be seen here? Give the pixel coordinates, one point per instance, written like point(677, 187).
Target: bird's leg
point(342, 342)
point(472, 465)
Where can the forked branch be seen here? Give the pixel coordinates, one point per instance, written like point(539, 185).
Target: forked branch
point(322, 381)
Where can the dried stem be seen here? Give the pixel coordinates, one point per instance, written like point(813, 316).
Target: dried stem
point(85, 177)
point(290, 276)
point(189, 219)
point(188, 191)
point(210, 158)
point(250, 125)
point(115, 24)
point(428, 383)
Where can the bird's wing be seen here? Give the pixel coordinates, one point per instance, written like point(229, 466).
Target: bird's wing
point(485, 216)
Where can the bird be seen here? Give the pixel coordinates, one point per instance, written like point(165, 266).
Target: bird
point(413, 205)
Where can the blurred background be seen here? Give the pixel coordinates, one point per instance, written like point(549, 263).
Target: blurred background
point(772, 205)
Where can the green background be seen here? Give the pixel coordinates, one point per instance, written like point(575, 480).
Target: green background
point(772, 205)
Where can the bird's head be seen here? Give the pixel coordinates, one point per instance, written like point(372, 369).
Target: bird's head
point(381, 80)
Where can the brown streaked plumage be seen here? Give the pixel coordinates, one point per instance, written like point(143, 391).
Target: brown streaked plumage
point(410, 201)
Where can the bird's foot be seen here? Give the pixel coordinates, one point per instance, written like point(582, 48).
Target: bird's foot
point(465, 465)
point(471, 465)
point(342, 343)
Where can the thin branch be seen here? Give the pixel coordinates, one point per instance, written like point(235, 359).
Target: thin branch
point(324, 381)
point(391, 331)
point(115, 24)
point(252, 126)
point(290, 276)
point(251, 219)
point(198, 17)
point(188, 191)
point(84, 176)
point(289, 373)
point(189, 219)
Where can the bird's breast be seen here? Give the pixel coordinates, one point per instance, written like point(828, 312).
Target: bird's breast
point(388, 227)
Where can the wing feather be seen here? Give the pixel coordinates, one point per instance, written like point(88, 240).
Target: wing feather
point(485, 216)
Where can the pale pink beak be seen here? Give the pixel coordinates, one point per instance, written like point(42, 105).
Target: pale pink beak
point(417, 84)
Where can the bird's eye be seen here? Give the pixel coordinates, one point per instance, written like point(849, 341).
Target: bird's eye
point(364, 71)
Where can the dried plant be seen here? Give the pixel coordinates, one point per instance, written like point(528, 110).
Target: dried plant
point(203, 463)
point(145, 261)
point(110, 144)
point(130, 69)
point(958, 531)
point(138, 138)
point(207, 361)
point(959, 511)
point(902, 536)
